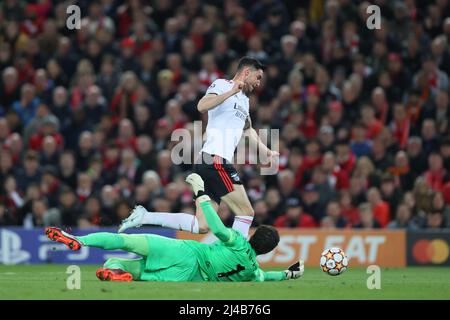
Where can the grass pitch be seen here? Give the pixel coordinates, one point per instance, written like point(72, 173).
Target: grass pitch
point(49, 282)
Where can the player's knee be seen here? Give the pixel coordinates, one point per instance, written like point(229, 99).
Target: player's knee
point(110, 262)
point(247, 210)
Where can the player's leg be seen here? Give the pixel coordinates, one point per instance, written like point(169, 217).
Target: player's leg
point(216, 176)
point(215, 186)
point(239, 203)
point(136, 243)
point(116, 269)
point(178, 221)
point(236, 198)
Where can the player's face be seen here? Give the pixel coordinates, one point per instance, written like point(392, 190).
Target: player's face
point(253, 80)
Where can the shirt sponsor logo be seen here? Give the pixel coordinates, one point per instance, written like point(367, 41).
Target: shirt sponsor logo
point(241, 113)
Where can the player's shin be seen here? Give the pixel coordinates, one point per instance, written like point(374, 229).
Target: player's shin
point(177, 221)
point(104, 240)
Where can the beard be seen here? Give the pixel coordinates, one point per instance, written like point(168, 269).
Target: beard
point(247, 89)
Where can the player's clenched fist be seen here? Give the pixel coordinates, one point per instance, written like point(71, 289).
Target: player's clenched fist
point(238, 86)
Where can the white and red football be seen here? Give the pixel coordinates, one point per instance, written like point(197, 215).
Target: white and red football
point(333, 261)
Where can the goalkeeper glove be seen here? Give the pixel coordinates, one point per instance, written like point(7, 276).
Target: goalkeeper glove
point(295, 271)
point(198, 187)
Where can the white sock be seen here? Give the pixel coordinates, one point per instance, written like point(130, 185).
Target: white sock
point(243, 224)
point(177, 221)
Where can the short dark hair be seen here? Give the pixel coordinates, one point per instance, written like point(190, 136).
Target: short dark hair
point(265, 239)
point(249, 62)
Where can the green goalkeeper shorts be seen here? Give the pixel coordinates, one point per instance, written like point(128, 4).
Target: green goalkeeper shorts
point(169, 260)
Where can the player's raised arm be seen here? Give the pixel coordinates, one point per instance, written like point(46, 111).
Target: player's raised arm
point(215, 224)
point(214, 96)
point(212, 219)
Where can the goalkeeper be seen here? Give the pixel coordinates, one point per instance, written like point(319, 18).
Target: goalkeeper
point(231, 258)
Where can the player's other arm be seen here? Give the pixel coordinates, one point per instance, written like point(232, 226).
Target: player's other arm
point(295, 271)
point(254, 138)
point(212, 100)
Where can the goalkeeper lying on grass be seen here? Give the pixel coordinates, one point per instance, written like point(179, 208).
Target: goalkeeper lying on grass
point(231, 258)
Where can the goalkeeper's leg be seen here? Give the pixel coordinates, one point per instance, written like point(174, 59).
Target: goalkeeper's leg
point(136, 243)
point(116, 269)
point(113, 269)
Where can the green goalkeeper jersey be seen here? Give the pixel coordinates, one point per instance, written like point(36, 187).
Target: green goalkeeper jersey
point(233, 260)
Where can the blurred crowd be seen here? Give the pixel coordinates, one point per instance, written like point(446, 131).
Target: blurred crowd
point(86, 115)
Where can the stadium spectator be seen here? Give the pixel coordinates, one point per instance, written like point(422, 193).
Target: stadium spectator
point(403, 219)
point(417, 157)
point(286, 182)
point(371, 123)
point(390, 193)
point(337, 178)
point(401, 171)
point(400, 125)
point(367, 220)
point(40, 215)
point(12, 198)
point(5, 216)
point(274, 202)
point(381, 159)
point(310, 201)
point(31, 172)
point(360, 144)
point(422, 195)
point(10, 89)
point(84, 186)
point(4, 131)
point(295, 217)
point(27, 105)
point(92, 215)
point(435, 220)
point(438, 204)
point(430, 138)
point(59, 106)
point(70, 209)
point(67, 169)
point(381, 210)
point(334, 215)
point(436, 176)
point(349, 211)
point(262, 215)
point(85, 150)
point(49, 153)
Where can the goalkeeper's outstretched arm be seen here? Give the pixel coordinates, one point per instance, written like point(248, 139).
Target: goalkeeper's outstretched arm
point(293, 272)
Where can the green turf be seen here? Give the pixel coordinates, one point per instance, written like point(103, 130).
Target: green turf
point(49, 282)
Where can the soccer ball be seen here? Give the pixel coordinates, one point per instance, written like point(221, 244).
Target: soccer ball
point(333, 261)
